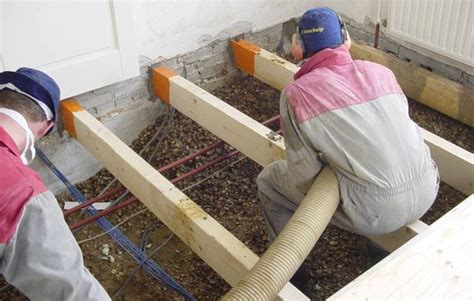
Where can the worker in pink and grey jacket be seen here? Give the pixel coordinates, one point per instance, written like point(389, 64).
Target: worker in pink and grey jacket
point(353, 116)
point(38, 253)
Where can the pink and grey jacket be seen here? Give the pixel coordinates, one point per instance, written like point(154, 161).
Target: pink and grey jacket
point(353, 115)
point(38, 253)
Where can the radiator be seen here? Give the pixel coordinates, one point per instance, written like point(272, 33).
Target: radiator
point(443, 26)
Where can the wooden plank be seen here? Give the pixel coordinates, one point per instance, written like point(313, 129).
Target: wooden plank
point(222, 251)
point(455, 164)
point(431, 89)
point(435, 265)
point(394, 240)
point(253, 139)
point(273, 70)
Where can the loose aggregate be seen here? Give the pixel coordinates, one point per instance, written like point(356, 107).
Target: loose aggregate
point(231, 198)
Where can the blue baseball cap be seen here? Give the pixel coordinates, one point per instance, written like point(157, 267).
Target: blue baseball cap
point(320, 28)
point(36, 85)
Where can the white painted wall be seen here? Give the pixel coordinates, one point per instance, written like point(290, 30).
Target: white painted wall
point(165, 28)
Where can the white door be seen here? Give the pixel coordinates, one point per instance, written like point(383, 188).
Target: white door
point(83, 45)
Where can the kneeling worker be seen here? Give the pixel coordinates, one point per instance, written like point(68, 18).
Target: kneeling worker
point(38, 253)
point(352, 116)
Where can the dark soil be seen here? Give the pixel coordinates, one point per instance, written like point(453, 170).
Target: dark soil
point(231, 198)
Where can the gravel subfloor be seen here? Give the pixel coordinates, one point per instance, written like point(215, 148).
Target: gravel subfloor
point(230, 198)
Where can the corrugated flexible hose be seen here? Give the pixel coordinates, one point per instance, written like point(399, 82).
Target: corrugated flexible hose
point(294, 243)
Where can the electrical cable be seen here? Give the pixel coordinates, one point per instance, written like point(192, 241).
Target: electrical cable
point(147, 233)
point(114, 227)
point(141, 151)
point(144, 210)
point(130, 277)
point(150, 266)
point(166, 127)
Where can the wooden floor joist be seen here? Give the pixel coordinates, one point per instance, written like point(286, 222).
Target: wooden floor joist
point(429, 88)
point(455, 164)
point(222, 251)
point(436, 265)
point(251, 138)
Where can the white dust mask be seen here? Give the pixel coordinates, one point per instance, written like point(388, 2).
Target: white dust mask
point(30, 138)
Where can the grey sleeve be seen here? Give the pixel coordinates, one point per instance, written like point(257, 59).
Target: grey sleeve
point(43, 259)
point(303, 160)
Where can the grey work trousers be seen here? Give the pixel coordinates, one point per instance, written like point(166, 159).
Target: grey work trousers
point(362, 210)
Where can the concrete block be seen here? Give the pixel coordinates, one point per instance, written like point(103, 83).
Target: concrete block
point(219, 46)
point(448, 71)
point(209, 68)
point(467, 80)
point(214, 83)
point(129, 86)
point(91, 99)
point(122, 101)
point(360, 35)
point(201, 53)
point(102, 108)
point(211, 62)
point(129, 99)
point(389, 46)
point(175, 64)
point(218, 57)
point(191, 72)
point(260, 41)
point(413, 56)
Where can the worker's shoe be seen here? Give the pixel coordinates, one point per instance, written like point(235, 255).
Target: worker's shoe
point(373, 252)
point(301, 280)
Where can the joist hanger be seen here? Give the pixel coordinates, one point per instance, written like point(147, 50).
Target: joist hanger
point(160, 81)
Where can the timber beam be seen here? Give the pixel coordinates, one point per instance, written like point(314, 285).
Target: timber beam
point(250, 137)
point(221, 250)
point(428, 88)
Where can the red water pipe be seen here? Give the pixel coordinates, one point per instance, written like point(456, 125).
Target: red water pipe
point(105, 195)
point(174, 181)
point(377, 33)
point(104, 212)
point(133, 199)
point(161, 170)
